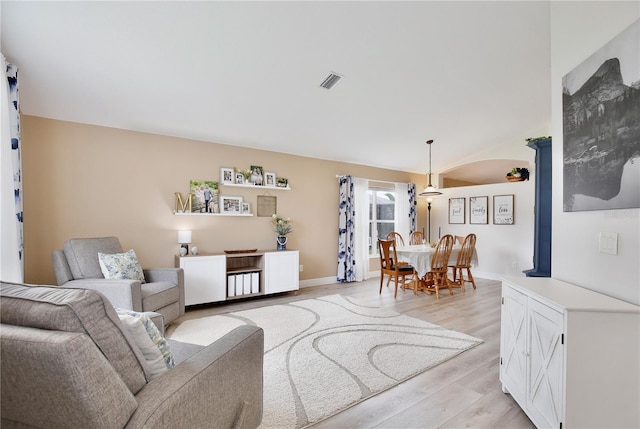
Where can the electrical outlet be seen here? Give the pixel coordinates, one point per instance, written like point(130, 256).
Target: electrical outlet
point(301, 268)
point(608, 243)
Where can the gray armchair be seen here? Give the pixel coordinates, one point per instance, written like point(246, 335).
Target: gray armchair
point(77, 266)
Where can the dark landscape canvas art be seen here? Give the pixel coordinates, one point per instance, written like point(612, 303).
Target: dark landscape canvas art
point(601, 127)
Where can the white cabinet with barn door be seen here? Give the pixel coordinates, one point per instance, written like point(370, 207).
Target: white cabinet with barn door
point(570, 357)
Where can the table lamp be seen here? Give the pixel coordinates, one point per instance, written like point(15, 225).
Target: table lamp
point(184, 239)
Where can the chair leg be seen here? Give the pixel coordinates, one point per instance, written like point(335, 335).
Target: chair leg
point(381, 279)
point(471, 278)
point(395, 294)
point(462, 282)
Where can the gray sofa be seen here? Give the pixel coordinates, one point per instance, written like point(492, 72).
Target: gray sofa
point(77, 266)
point(67, 362)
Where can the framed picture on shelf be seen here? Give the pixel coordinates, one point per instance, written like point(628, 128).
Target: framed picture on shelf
point(246, 208)
point(230, 205)
point(503, 210)
point(269, 179)
point(204, 196)
point(282, 182)
point(257, 175)
point(479, 210)
point(239, 178)
point(456, 210)
point(226, 175)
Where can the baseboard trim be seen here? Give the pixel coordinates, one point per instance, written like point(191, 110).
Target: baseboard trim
point(371, 274)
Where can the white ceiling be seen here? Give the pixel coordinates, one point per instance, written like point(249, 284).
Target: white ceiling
point(469, 75)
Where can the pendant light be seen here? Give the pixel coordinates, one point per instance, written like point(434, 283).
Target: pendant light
point(430, 190)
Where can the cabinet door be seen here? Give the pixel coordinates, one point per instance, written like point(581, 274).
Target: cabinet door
point(545, 377)
point(204, 279)
point(513, 342)
point(281, 272)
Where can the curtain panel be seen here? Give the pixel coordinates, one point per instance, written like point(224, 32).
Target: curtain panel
point(11, 230)
point(346, 231)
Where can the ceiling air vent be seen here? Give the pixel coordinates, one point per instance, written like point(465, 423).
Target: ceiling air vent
point(331, 81)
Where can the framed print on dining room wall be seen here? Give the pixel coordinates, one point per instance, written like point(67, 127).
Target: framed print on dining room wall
point(226, 175)
point(479, 210)
point(457, 210)
point(230, 205)
point(503, 210)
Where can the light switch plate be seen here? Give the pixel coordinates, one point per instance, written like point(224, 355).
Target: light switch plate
point(609, 243)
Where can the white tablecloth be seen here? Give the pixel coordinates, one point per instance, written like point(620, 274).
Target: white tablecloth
point(419, 256)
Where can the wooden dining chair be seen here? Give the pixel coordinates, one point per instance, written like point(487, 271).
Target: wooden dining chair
point(396, 237)
point(437, 277)
point(397, 241)
point(464, 263)
point(416, 237)
point(399, 273)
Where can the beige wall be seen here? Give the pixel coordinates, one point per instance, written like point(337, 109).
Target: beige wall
point(89, 181)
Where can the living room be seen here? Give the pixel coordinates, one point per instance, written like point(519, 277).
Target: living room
point(83, 180)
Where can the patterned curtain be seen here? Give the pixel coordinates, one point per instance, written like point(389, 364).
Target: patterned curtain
point(12, 247)
point(413, 203)
point(346, 231)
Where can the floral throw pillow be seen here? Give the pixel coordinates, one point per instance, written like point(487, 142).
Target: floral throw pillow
point(154, 334)
point(121, 266)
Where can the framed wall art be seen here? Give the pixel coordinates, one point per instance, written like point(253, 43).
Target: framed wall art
point(226, 175)
point(230, 205)
point(457, 210)
point(503, 210)
point(257, 175)
point(479, 210)
point(267, 205)
point(246, 208)
point(205, 196)
point(239, 178)
point(269, 179)
point(601, 149)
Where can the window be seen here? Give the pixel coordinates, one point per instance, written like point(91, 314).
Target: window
point(381, 216)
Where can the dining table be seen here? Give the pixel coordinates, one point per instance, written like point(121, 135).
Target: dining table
point(419, 256)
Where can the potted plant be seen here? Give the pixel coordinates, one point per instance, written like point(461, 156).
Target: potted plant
point(282, 226)
point(518, 174)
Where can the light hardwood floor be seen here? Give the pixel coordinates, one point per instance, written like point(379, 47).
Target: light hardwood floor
point(462, 392)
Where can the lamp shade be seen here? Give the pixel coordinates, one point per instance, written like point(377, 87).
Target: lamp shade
point(184, 237)
point(430, 191)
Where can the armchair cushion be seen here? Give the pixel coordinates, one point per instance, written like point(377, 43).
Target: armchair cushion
point(120, 266)
point(81, 254)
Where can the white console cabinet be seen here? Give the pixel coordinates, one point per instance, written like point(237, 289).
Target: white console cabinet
point(281, 271)
point(570, 357)
point(220, 277)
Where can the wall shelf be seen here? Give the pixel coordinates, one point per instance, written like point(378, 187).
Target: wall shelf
point(212, 214)
point(243, 185)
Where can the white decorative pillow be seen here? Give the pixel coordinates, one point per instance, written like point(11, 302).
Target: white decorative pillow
point(152, 355)
point(121, 266)
point(153, 333)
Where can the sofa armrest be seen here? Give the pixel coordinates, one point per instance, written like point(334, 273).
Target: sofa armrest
point(120, 293)
point(173, 275)
point(220, 386)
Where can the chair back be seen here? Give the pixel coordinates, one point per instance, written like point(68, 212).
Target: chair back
point(440, 260)
point(396, 237)
point(387, 255)
point(466, 252)
point(416, 237)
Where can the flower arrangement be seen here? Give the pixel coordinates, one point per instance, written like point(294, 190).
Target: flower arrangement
point(282, 226)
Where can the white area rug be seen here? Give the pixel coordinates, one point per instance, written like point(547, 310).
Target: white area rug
point(324, 355)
